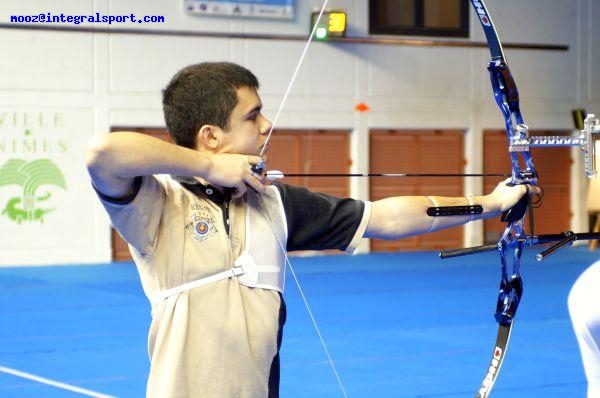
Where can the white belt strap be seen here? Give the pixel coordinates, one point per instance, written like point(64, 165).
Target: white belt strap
point(165, 294)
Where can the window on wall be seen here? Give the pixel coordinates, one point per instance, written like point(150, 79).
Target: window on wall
point(445, 18)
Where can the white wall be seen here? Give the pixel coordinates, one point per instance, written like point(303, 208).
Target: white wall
point(85, 83)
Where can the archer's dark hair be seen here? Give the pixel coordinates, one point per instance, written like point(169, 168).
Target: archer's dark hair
point(202, 94)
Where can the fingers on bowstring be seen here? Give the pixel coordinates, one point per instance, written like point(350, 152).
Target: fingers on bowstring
point(254, 182)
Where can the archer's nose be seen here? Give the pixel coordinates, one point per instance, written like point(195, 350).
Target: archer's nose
point(266, 126)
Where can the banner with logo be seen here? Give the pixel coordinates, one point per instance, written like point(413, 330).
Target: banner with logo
point(46, 209)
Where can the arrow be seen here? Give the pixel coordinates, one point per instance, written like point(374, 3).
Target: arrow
point(276, 175)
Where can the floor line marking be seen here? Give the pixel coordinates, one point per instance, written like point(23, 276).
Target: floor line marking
point(53, 383)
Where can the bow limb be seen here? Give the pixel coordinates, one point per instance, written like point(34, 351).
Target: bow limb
point(514, 237)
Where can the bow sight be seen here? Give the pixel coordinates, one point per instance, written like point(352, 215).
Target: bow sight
point(586, 141)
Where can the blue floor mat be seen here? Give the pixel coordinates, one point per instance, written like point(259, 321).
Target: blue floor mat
point(396, 325)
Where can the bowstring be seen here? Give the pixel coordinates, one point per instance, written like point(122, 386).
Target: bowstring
point(287, 260)
point(293, 79)
point(288, 264)
point(313, 320)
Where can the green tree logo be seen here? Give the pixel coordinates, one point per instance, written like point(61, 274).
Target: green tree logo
point(30, 176)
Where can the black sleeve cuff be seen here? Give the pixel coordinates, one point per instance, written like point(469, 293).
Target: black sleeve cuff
point(127, 198)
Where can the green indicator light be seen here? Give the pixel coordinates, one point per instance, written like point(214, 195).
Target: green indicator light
point(321, 33)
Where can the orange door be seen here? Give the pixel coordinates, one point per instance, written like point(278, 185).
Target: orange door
point(417, 151)
point(312, 151)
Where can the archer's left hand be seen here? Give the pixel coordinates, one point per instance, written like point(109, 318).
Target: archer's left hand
point(506, 195)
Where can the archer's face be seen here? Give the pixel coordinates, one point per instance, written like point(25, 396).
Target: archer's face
point(248, 127)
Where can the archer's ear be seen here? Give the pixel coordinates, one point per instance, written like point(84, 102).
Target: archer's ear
point(207, 137)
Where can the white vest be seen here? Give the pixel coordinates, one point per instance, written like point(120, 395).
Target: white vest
point(262, 262)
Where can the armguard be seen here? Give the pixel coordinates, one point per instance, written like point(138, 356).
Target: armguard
point(454, 210)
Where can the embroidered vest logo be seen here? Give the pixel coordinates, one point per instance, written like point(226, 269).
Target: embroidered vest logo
point(201, 223)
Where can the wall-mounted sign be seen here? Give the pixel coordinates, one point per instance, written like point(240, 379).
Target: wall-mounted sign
point(279, 9)
point(47, 205)
point(32, 146)
point(331, 24)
